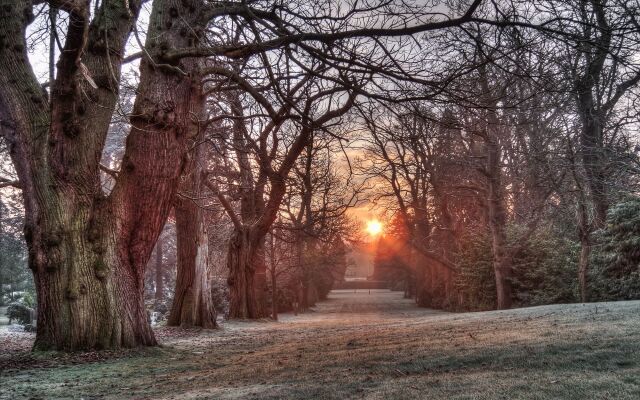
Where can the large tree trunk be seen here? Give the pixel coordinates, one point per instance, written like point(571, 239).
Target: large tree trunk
point(88, 251)
point(192, 303)
point(162, 127)
point(245, 259)
point(88, 294)
point(89, 297)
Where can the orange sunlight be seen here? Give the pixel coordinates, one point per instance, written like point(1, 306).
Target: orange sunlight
point(374, 227)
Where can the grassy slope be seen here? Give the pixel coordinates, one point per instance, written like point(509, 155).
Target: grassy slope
point(376, 347)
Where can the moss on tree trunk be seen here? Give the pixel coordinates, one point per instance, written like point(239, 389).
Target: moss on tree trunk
point(88, 250)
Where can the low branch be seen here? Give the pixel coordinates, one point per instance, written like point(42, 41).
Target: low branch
point(5, 182)
point(132, 57)
point(109, 171)
point(225, 203)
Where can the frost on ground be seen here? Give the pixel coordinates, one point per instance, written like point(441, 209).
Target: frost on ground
point(361, 345)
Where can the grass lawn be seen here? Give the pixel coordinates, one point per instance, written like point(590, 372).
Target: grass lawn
point(353, 346)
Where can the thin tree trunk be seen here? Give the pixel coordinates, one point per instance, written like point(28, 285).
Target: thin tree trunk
point(583, 267)
point(274, 276)
point(502, 263)
point(593, 159)
point(447, 239)
point(407, 290)
point(274, 294)
point(159, 284)
point(1, 282)
point(588, 85)
point(303, 275)
point(424, 280)
point(584, 233)
point(495, 201)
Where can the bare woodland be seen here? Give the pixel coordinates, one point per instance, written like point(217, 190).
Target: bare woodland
point(497, 139)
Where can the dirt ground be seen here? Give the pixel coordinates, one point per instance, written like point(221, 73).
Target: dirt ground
point(357, 346)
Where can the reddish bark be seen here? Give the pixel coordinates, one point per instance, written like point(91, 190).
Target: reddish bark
point(192, 302)
point(87, 250)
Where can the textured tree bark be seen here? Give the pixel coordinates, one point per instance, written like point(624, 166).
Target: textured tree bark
point(87, 296)
point(260, 278)
point(192, 303)
point(162, 127)
point(88, 251)
point(243, 258)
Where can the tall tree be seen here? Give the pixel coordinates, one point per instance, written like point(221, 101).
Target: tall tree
point(87, 249)
point(402, 160)
point(192, 301)
point(601, 71)
point(260, 192)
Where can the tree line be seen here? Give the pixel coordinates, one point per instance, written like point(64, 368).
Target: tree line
point(496, 120)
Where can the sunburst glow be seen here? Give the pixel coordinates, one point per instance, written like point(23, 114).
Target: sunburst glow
point(374, 227)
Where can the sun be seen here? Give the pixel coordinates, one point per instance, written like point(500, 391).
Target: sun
point(374, 227)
